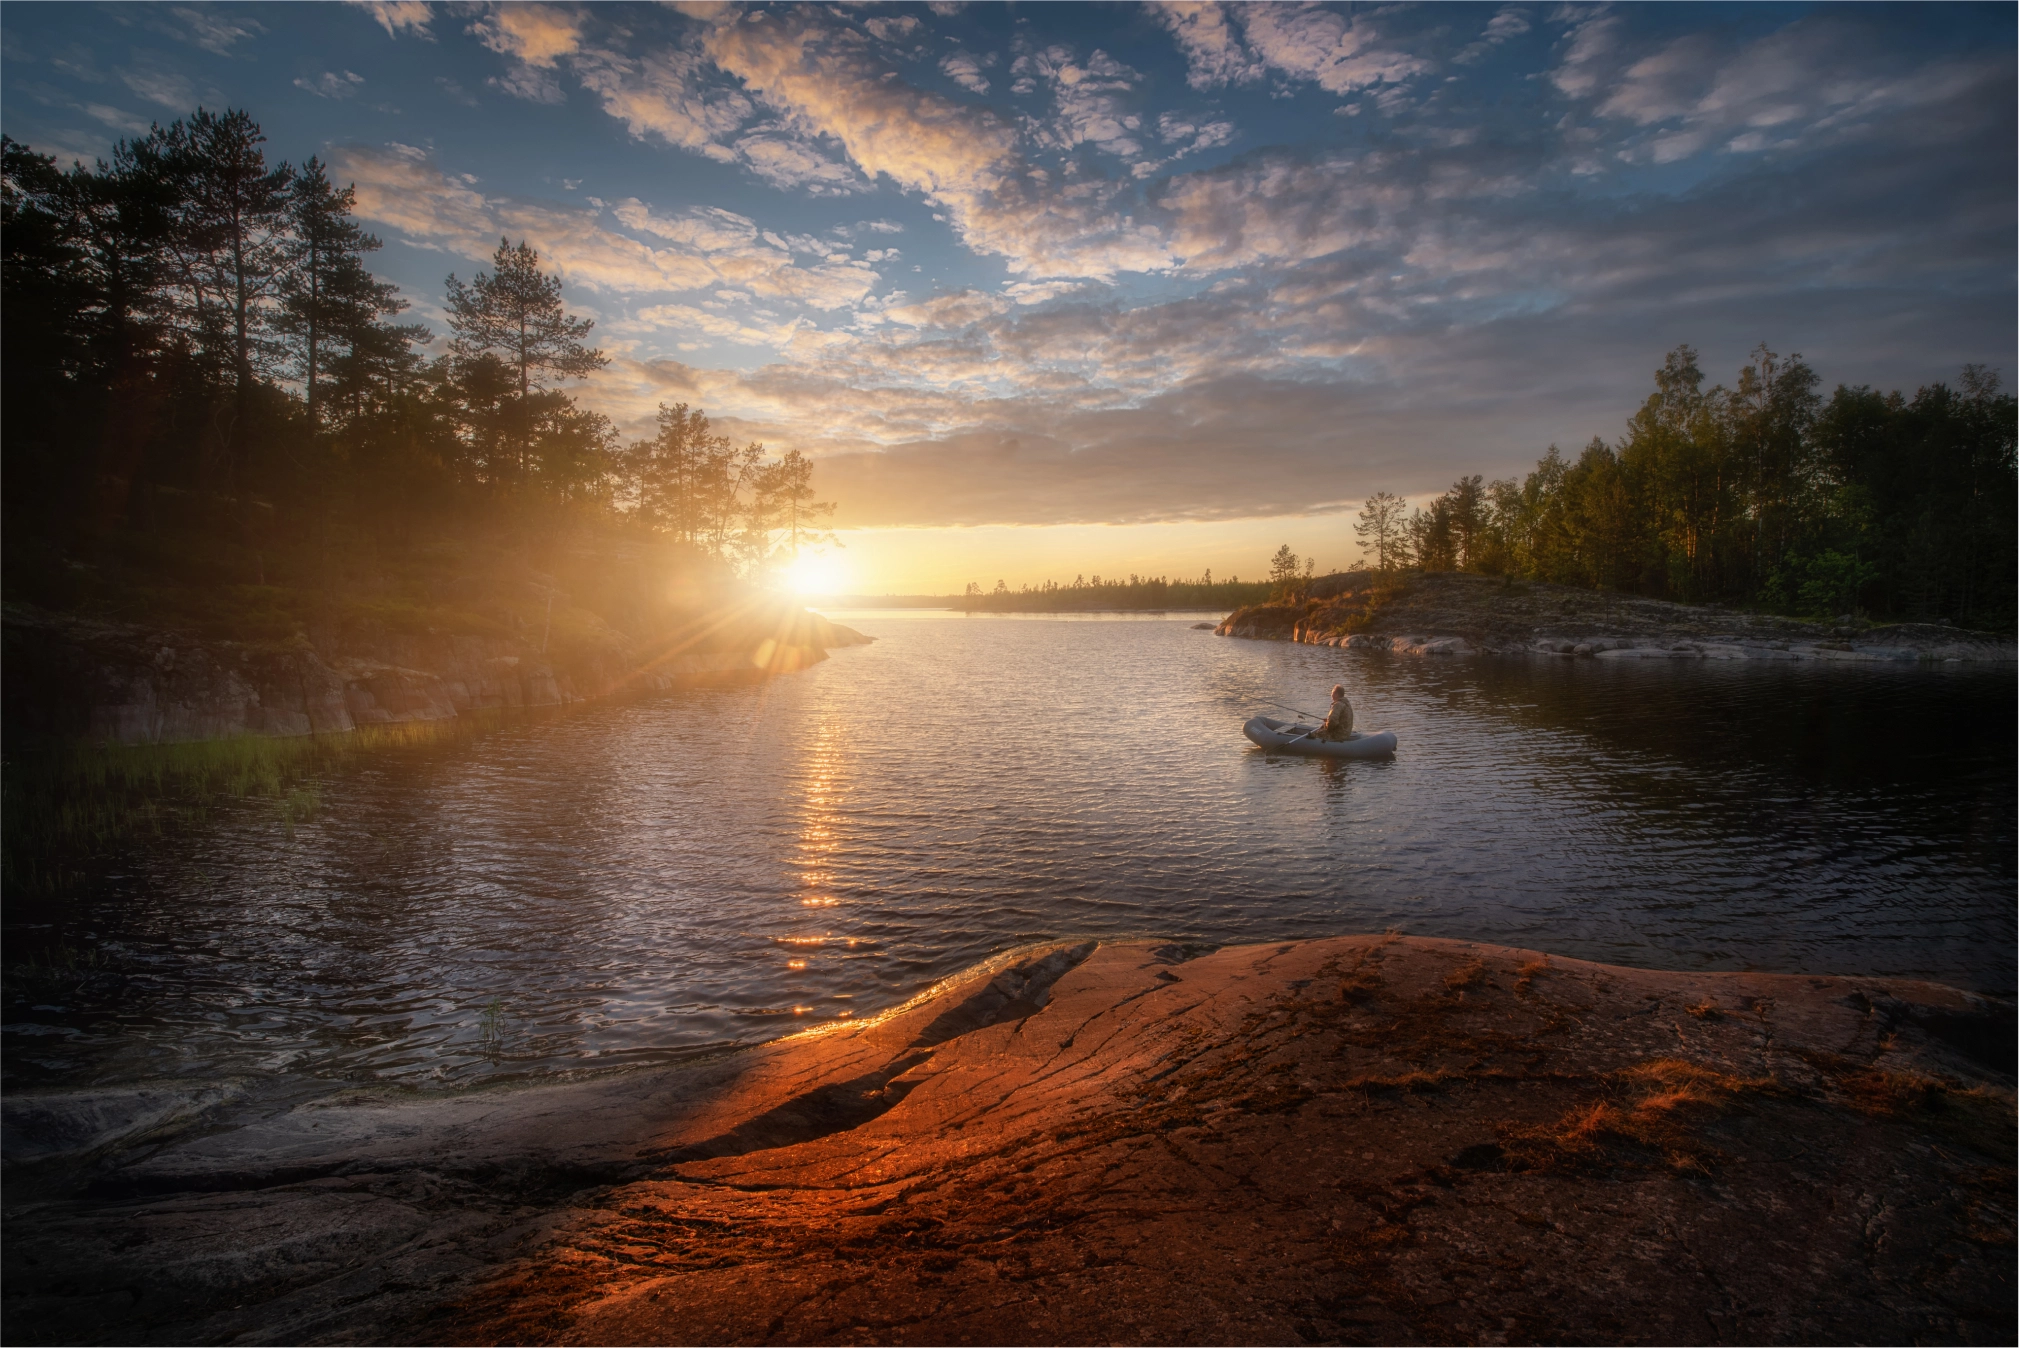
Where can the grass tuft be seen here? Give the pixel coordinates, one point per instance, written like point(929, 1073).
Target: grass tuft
point(1660, 1105)
point(1472, 975)
point(61, 808)
point(1976, 1116)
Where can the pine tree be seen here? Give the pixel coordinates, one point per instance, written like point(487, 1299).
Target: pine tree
point(515, 311)
point(330, 301)
point(788, 486)
point(1380, 530)
point(229, 240)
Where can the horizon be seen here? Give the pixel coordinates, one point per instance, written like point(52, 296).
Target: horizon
point(1074, 290)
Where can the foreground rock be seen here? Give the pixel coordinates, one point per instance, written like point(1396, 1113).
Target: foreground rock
point(1380, 1140)
point(1449, 613)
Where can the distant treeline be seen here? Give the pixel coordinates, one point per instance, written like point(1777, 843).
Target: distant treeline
point(1764, 494)
point(1137, 592)
point(203, 381)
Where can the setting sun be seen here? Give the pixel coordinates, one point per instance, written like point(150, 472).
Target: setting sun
point(816, 573)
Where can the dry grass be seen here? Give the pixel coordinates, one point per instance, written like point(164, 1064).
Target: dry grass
point(1977, 1116)
point(1660, 1105)
point(1471, 975)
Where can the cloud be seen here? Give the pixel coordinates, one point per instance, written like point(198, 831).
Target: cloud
point(666, 94)
point(1213, 52)
point(213, 28)
point(162, 87)
point(741, 256)
point(701, 250)
point(1191, 138)
point(672, 320)
point(956, 309)
point(1508, 23)
point(530, 83)
point(116, 118)
point(536, 34)
point(788, 162)
point(965, 70)
point(892, 29)
point(819, 81)
point(1592, 53)
point(402, 188)
point(1089, 102)
point(962, 159)
point(329, 84)
point(1820, 77)
point(1667, 83)
point(1341, 55)
point(401, 16)
point(823, 85)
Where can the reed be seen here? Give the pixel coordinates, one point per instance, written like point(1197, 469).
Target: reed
point(61, 807)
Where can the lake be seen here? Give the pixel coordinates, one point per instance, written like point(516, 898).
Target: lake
point(628, 883)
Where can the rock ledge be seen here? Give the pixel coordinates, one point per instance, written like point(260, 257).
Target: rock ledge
point(1361, 1139)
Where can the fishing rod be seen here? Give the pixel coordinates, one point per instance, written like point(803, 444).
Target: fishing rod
point(1284, 706)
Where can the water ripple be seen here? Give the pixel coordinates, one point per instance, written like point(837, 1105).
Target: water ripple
point(632, 883)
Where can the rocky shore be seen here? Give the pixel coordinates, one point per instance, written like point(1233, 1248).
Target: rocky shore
point(1450, 613)
point(73, 678)
point(1362, 1139)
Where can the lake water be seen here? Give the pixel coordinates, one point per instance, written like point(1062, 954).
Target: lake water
point(627, 883)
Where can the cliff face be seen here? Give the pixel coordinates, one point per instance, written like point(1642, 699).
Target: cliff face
point(71, 678)
point(1447, 613)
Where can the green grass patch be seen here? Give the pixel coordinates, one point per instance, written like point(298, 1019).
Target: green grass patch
point(61, 808)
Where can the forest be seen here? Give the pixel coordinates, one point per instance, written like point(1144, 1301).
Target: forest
point(214, 414)
point(1869, 505)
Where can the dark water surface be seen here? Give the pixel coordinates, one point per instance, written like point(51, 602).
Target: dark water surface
point(627, 883)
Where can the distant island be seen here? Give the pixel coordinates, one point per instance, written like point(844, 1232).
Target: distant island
point(1137, 594)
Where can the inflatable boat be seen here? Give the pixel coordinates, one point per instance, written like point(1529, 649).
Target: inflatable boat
point(1290, 738)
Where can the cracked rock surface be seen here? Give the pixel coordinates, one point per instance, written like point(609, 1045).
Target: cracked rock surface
point(1360, 1139)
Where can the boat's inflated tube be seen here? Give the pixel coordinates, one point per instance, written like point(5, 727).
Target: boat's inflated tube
point(1290, 738)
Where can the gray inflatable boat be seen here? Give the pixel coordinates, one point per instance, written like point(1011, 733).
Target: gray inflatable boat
point(1290, 738)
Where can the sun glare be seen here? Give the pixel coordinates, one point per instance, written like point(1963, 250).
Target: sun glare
point(816, 573)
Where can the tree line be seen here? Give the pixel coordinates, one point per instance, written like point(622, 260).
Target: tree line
point(1083, 594)
point(187, 320)
point(1871, 504)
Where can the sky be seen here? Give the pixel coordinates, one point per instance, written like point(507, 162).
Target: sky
point(1051, 290)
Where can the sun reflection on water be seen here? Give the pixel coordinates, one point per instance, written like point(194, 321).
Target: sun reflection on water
point(823, 765)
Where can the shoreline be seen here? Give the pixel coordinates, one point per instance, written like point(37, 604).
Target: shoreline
point(105, 683)
point(1456, 614)
point(1363, 1139)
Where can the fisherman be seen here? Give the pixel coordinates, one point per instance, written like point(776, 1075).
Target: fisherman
point(1339, 720)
